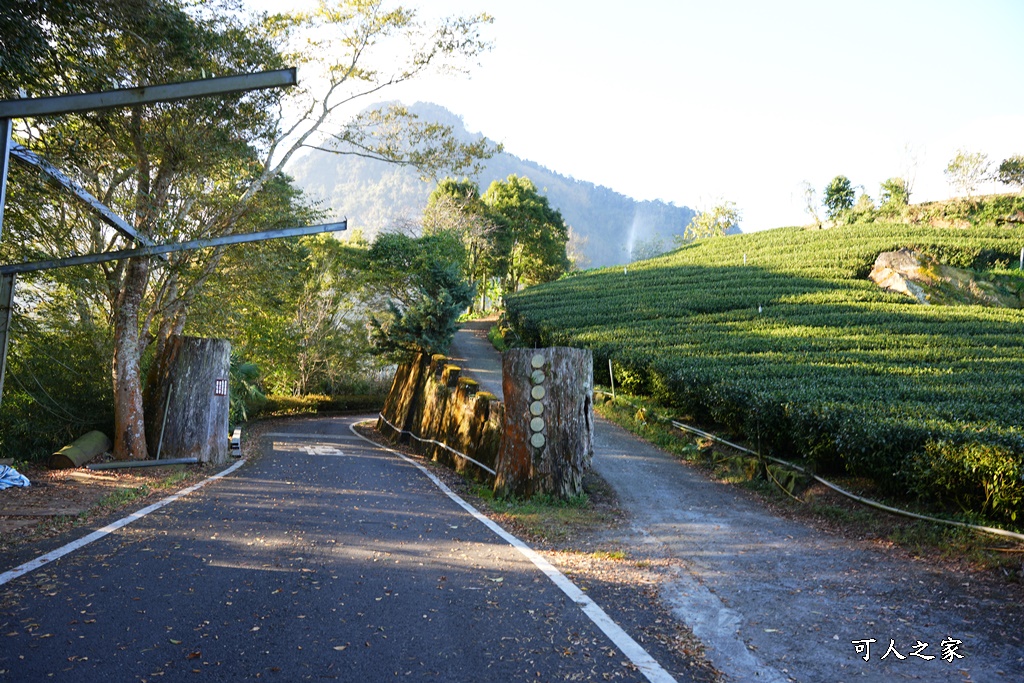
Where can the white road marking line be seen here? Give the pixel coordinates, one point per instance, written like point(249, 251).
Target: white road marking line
point(42, 560)
point(320, 450)
point(640, 658)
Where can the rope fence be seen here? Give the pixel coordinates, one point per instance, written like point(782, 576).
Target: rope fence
point(438, 443)
point(860, 499)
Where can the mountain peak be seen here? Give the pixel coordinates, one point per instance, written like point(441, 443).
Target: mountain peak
point(375, 194)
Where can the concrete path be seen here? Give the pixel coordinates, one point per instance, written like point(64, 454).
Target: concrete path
point(777, 600)
point(472, 349)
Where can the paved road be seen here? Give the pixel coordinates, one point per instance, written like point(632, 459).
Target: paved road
point(777, 600)
point(472, 351)
point(326, 558)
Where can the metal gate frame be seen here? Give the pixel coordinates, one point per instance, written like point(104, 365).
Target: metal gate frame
point(127, 97)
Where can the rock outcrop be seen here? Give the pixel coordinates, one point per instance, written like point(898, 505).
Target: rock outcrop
point(900, 271)
point(930, 282)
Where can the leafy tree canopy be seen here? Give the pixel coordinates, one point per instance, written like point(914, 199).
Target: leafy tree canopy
point(967, 170)
point(426, 294)
point(839, 196)
point(895, 194)
point(712, 223)
point(1011, 172)
point(530, 235)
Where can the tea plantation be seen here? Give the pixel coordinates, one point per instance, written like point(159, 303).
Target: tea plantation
point(779, 337)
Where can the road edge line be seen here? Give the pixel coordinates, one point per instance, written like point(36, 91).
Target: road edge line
point(42, 560)
point(641, 659)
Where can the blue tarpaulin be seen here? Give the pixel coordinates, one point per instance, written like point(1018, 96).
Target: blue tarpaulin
point(11, 477)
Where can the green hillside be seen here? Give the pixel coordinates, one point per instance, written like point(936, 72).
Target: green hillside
point(374, 195)
point(780, 337)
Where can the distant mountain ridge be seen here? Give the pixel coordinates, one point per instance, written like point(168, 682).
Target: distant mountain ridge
point(374, 195)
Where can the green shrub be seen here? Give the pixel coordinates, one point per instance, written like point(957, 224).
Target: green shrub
point(974, 476)
point(320, 403)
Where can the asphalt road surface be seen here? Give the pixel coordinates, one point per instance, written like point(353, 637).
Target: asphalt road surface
point(327, 558)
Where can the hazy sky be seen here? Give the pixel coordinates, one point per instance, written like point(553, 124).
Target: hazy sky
point(693, 102)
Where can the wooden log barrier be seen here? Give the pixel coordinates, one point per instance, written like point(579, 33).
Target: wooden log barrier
point(548, 433)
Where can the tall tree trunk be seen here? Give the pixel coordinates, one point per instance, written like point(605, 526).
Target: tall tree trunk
point(548, 432)
point(129, 417)
point(186, 387)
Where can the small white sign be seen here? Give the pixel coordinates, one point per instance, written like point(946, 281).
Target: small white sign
point(220, 387)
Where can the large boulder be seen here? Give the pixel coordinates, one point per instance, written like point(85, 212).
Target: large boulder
point(900, 271)
point(930, 282)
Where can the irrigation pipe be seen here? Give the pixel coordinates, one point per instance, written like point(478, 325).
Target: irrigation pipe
point(438, 443)
point(143, 463)
point(860, 499)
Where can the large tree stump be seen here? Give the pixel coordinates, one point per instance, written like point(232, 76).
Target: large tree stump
point(194, 417)
point(548, 435)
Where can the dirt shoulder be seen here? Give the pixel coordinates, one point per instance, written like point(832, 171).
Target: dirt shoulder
point(60, 502)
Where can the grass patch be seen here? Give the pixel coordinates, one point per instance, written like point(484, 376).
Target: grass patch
point(175, 479)
point(120, 497)
point(544, 516)
point(314, 404)
point(497, 339)
point(610, 554)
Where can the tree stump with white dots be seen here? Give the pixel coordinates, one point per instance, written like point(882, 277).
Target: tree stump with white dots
point(547, 438)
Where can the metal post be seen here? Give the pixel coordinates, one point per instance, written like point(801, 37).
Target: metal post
point(163, 425)
point(158, 249)
point(611, 378)
point(6, 306)
point(146, 94)
point(5, 160)
point(80, 193)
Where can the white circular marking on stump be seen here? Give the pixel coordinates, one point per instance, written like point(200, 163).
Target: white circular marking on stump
point(537, 424)
point(537, 377)
point(537, 440)
point(537, 392)
point(537, 408)
point(537, 361)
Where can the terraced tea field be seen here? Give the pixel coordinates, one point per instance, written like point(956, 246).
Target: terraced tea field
point(780, 337)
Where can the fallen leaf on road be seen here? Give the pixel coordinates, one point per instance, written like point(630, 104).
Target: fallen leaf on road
point(339, 648)
point(174, 642)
